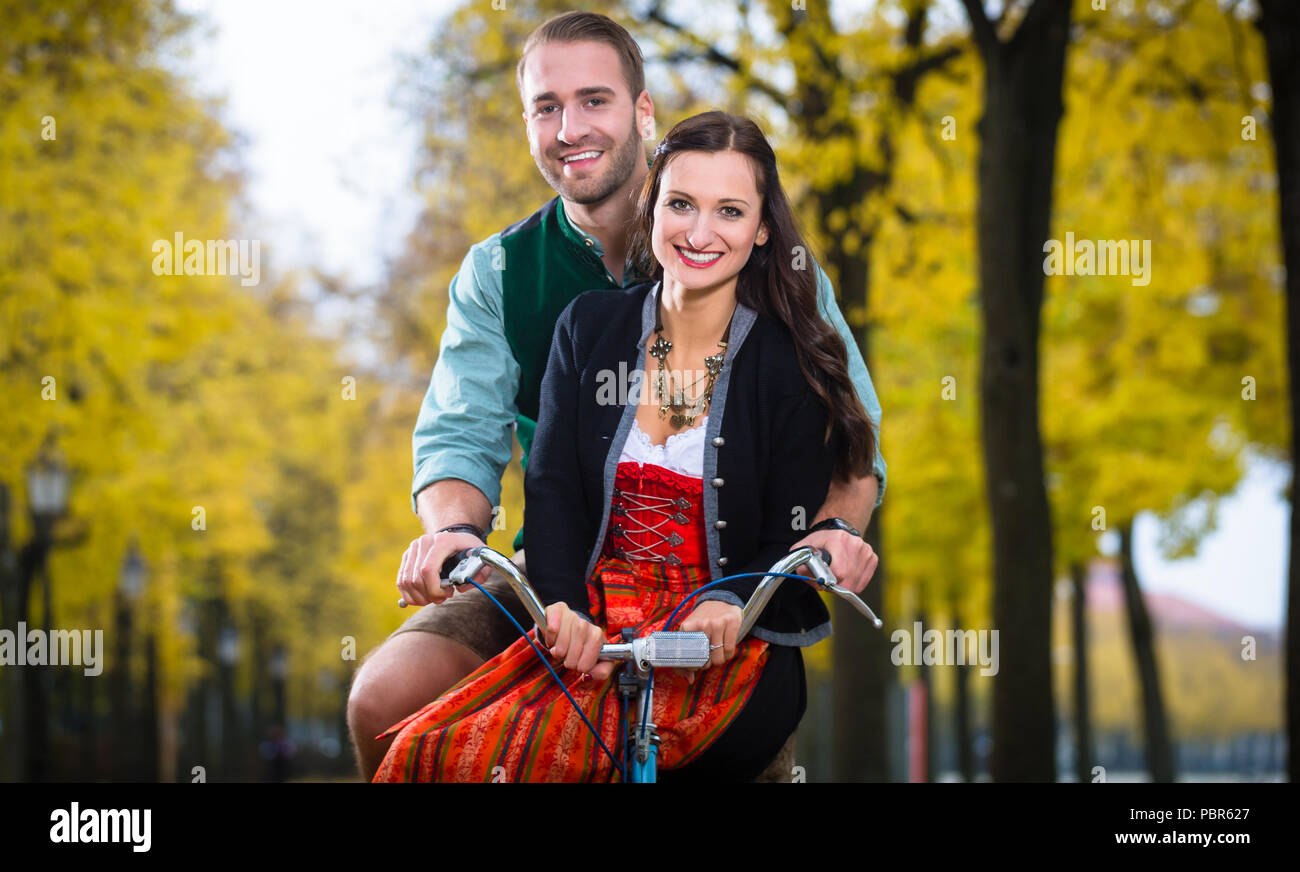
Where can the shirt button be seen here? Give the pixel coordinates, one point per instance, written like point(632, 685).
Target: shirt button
point(717, 482)
point(720, 524)
point(588, 241)
point(718, 442)
point(722, 561)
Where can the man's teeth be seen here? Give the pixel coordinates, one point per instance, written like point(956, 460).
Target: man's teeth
point(700, 258)
point(584, 156)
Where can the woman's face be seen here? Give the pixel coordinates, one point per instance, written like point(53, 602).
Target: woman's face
point(708, 217)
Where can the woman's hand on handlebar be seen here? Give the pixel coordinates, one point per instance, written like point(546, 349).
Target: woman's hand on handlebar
point(420, 577)
point(721, 623)
point(576, 641)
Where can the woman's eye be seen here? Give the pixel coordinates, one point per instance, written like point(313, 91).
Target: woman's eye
point(672, 204)
point(733, 212)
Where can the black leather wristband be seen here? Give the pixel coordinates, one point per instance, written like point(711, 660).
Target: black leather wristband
point(464, 528)
point(835, 524)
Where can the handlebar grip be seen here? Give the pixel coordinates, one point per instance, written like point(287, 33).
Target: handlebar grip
point(450, 563)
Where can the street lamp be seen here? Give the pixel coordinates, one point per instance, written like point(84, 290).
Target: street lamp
point(228, 657)
point(47, 488)
point(131, 580)
point(47, 500)
point(228, 647)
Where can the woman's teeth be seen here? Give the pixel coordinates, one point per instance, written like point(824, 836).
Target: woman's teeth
point(699, 258)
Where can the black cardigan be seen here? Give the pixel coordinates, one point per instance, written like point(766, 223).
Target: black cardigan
point(766, 469)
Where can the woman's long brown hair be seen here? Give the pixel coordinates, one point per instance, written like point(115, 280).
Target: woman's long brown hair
point(769, 282)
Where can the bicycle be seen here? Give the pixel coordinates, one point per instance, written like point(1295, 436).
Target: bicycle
point(662, 649)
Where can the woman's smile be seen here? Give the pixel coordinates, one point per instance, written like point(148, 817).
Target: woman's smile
point(697, 259)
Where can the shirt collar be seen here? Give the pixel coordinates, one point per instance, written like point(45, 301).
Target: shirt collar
point(577, 236)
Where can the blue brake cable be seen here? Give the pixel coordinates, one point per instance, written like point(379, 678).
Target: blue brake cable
point(621, 768)
point(538, 651)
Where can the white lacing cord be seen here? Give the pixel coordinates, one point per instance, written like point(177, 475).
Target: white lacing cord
point(654, 505)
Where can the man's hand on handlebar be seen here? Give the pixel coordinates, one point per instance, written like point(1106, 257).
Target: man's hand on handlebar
point(420, 577)
point(721, 623)
point(853, 561)
point(576, 641)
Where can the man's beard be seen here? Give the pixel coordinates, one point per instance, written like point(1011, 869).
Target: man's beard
point(586, 191)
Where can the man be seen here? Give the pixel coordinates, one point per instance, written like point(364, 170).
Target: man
point(586, 112)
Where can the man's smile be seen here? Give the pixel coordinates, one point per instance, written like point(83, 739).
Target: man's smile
point(581, 159)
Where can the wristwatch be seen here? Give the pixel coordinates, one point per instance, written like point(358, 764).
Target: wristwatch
point(464, 528)
point(836, 524)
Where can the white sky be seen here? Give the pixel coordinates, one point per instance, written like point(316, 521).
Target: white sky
point(310, 86)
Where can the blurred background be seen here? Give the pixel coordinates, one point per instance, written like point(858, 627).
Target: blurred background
point(216, 474)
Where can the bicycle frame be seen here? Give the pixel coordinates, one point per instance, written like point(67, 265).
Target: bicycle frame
point(670, 649)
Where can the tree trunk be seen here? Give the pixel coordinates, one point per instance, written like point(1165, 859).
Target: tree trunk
point(149, 713)
point(1083, 755)
point(861, 671)
point(124, 740)
point(1155, 727)
point(36, 756)
point(1280, 23)
point(962, 731)
point(1017, 159)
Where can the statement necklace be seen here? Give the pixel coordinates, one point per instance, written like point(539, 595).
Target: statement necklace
point(672, 395)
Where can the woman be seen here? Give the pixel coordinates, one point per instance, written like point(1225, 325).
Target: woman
point(633, 500)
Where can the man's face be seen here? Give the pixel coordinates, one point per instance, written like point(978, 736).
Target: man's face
point(581, 119)
point(708, 217)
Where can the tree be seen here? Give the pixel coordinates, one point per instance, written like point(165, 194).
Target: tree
point(1280, 24)
point(1022, 108)
point(1143, 371)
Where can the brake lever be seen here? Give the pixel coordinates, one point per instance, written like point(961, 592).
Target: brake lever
point(826, 581)
point(446, 570)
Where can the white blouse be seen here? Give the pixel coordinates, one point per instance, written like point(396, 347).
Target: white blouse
point(682, 453)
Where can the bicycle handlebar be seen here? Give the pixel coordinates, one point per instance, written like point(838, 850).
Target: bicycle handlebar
point(664, 648)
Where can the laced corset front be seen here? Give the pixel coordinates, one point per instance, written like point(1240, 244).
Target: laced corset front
point(657, 509)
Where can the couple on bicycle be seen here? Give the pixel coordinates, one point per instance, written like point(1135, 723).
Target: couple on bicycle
point(755, 412)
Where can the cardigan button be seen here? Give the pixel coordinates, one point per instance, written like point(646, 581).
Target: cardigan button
point(722, 561)
point(717, 482)
point(720, 524)
point(718, 442)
